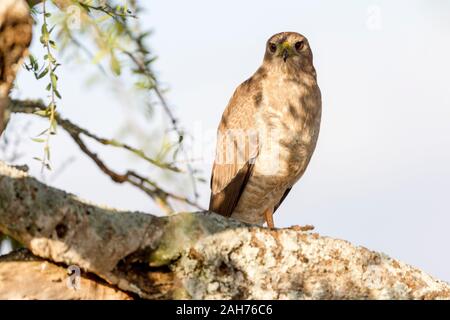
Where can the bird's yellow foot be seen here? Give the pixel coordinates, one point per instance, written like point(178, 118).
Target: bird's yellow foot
point(268, 215)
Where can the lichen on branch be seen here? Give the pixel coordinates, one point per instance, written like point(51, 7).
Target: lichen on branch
point(199, 255)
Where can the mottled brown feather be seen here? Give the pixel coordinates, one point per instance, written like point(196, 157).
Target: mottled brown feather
point(226, 200)
point(228, 179)
point(281, 103)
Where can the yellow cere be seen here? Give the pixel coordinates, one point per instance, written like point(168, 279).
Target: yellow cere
point(285, 45)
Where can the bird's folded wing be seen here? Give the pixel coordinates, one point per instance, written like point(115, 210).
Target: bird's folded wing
point(230, 173)
point(225, 200)
point(237, 149)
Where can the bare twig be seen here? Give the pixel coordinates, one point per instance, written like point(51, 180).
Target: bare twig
point(151, 188)
point(140, 59)
point(144, 68)
point(86, 50)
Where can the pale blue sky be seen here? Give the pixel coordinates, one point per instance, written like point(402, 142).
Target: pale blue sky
point(380, 176)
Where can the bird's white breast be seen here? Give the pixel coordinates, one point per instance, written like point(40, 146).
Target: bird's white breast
point(289, 128)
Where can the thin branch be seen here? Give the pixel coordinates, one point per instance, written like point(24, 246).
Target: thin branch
point(151, 188)
point(52, 64)
point(68, 125)
point(145, 70)
point(86, 50)
point(108, 10)
point(30, 107)
point(140, 60)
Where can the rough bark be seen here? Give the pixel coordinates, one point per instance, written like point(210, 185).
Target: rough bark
point(15, 37)
point(198, 255)
point(24, 276)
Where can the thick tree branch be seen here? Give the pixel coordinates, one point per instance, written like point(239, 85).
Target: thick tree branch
point(67, 230)
point(15, 37)
point(20, 268)
point(199, 255)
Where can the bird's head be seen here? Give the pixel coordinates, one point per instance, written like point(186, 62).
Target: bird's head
point(290, 49)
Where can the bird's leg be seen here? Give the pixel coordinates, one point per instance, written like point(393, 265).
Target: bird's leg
point(268, 215)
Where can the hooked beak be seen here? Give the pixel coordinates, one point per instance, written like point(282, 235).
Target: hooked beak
point(285, 54)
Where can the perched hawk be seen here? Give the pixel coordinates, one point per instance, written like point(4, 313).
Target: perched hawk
point(15, 37)
point(268, 133)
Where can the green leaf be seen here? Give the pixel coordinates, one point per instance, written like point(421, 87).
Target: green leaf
point(47, 152)
point(39, 140)
point(56, 66)
point(144, 85)
point(42, 113)
point(115, 65)
point(144, 35)
point(42, 74)
point(44, 34)
point(53, 126)
point(33, 62)
point(150, 61)
point(58, 94)
point(52, 44)
point(54, 80)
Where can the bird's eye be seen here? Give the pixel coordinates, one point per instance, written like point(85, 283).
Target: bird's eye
point(272, 47)
point(299, 45)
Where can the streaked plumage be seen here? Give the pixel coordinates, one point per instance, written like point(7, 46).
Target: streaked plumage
point(267, 133)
